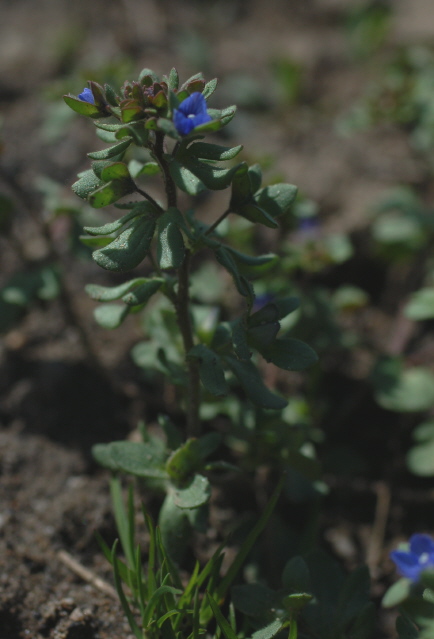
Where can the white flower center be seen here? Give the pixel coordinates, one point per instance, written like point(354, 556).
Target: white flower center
point(424, 558)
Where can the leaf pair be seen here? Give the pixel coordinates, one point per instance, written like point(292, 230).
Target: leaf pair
point(259, 205)
point(104, 184)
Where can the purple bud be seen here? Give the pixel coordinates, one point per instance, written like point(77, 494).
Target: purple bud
point(86, 96)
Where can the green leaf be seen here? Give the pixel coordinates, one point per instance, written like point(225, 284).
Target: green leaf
point(117, 149)
point(421, 305)
point(252, 383)
point(242, 191)
point(115, 171)
point(223, 624)
point(195, 494)
point(143, 293)
point(82, 107)
point(255, 176)
point(296, 577)
point(249, 542)
point(99, 165)
point(269, 631)
point(289, 353)
point(184, 178)
point(143, 459)
point(213, 177)
point(353, 596)
point(206, 151)
point(173, 81)
point(406, 628)
point(184, 461)
point(148, 77)
point(263, 337)
point(170, 243)
point(242, 284)
point(252, 260)
point(254, 600)
point(111, 95)
point(87, 183)
point(112, 227)
point(95, 242)
point(102, 454)
point(209, 88)
point(124, 602)
point(268, 314)
point(420, 459)
point(110, 128)
point(168, 128)
point(427, 580)
point(397, 593)
point(208, 444)
point(256, 214)
point(239, 340)
point(136, 130)
point(175, 528)
point(210, 370)
point(110, 193)
point(411, 391)
point(111, 315)
point(129, 249)
point(276, 200)
point(106, 136)
point(224, 115)
point(138, 168)
point(287, 305)
point(296, 602)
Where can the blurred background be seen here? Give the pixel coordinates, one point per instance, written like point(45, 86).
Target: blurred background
point(334, 96)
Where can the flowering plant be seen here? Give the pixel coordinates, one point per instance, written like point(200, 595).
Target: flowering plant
point(414, 592)
point(207, 359)
point(419, 557)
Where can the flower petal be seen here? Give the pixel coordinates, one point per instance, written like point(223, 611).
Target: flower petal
point(194, 104)
point(202, 118)
point(183, 123)
point(420, 544)
point(407, 564)
point(86, 96)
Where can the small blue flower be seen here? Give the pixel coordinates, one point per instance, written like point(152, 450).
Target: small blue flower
point(420, 556)
point(87, 96)
point(308, 224)
point(191, 113)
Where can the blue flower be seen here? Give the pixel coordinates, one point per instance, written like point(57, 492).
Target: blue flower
point(191, 113)
point(420, 556)
point(87, 96)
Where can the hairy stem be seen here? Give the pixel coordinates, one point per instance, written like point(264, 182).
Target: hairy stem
point(218, 220)
point(182, 302)
point(148, 197)
point(183, 313)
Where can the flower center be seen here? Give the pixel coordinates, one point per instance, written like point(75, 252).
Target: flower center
point(424, 558)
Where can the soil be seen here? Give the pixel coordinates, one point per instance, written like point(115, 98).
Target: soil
point(66, 384)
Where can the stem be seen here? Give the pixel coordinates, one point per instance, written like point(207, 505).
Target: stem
point(148, 197)
point(183, 312)
point(169, 184)
point(217, 222)
point(182, 302)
